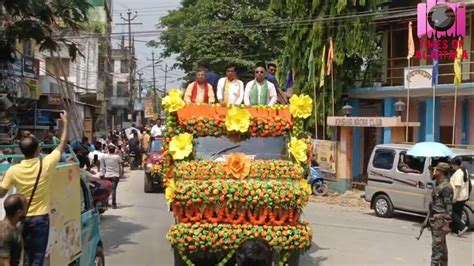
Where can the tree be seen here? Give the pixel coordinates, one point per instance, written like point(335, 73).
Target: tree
point(310, 25)
point(44, 22)
point(241, 32)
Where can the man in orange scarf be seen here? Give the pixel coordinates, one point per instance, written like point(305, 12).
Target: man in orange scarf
point(199, 91)
point(230, 90)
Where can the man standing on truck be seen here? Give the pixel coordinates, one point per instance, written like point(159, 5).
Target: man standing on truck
point(230, 90)
point(441, 209)
point(459, 181)
point(200, 91)
point(31, 178)
point(260, 91)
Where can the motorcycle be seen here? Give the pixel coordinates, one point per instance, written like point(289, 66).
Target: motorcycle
point(101, 191)
point(316, 180)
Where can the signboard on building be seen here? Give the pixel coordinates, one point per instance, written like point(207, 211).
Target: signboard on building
point(343, 121)
point(325, 154)
point(149, 110)
point(138, 105)
point(54, 100)
point(418, 77)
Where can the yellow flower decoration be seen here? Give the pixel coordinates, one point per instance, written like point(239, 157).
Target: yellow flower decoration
point(306, 187)
point(298, 149)
point(301, 106)
point(170, 191)
point(238, 119)
point(173, 101)
point(181, 146)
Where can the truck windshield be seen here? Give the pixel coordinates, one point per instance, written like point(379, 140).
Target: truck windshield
point(156, 145)
point(262, 148)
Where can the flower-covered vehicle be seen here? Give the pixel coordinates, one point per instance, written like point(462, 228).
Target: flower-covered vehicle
point(234, 173)
point(153, 164)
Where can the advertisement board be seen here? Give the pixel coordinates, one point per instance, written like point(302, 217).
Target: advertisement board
point(325, 154)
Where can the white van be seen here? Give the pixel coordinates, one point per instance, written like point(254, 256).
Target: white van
point(397, 181)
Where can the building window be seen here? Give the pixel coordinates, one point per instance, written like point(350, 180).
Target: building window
point(54, 65)
point(383, 159)
point(27, 48)
point(124, 66)
point(122, 89)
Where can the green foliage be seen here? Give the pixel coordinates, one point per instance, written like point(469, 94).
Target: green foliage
point(45, 22)
point(356, 46)
point(241, 32)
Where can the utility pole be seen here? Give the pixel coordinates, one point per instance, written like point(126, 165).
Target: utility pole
point(128, 21)
point(139, 116)
point(166, 70)
point(153, 64)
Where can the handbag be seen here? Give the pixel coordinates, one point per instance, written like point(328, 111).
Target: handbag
point(35, 186)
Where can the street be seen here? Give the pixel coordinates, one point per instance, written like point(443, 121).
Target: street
point(134, 234)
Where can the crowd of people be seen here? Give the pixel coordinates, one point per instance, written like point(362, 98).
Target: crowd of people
point(263, 90)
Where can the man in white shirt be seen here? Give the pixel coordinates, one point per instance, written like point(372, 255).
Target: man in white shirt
point(260, 91)
point(156, 129)
point(459, 180)
point(230, 90)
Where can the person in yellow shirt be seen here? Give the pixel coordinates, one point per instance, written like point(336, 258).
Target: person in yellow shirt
point(23, 177)
point(200, 91)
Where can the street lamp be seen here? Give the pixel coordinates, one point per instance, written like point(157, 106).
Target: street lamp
point(399, 107)
point(347, 109)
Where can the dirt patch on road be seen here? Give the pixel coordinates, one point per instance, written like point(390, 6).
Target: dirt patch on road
point(351, 198)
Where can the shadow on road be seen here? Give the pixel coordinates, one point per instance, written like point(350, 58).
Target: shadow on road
point(308, 259)
point(117, 233)
point(417, 219)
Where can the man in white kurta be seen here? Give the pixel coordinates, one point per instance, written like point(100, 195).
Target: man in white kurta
point(260, 91)
point(230, 90)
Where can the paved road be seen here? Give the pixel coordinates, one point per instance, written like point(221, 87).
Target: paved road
point(134, 234)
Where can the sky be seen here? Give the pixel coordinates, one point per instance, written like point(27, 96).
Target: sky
point(148, 13)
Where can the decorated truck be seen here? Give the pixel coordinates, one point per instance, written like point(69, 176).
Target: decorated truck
point(233, 173)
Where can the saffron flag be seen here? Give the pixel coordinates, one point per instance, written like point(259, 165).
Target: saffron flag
point(411, 43)
point(323, 68)
point(457, 65)
point(434, 80)
point(330, 56)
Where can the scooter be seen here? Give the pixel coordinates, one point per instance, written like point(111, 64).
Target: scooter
point(101, 191)
point(316, 180)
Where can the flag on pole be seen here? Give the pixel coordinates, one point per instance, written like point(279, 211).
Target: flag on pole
point(411, 43)
point(434, 80)
point(323, 68)
point(330, 56)
point(311, 74)
point(457, 65)
point(289, 80)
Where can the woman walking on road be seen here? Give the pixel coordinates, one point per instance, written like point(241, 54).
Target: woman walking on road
point(111, 169)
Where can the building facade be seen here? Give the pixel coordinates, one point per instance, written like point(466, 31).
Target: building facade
point(429, 103)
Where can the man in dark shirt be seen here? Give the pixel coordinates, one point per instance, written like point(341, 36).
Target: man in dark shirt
point(11, 243)
point(441, 210)
point(134, 146)
point(211, 77)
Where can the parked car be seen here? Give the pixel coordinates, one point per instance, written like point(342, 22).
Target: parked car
point(153, 161)
point(397, 181)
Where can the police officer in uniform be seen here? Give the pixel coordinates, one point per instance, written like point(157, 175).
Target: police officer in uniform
point(441, 209)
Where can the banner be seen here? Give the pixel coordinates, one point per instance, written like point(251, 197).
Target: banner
point(325, 154)
point(149, 108)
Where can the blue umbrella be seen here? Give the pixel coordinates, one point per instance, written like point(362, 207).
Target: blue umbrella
point(430, 149)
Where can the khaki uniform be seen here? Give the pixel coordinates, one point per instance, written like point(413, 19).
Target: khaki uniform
point(441, 211)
